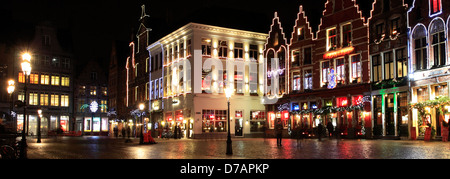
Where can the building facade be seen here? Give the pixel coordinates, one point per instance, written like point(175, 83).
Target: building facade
point(428, 23)
point(328, 77)
point(91, 100)
point(389, 68)
point(50, 84)
point(192, 66)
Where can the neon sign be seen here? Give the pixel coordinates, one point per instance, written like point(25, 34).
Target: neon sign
point(338, 53)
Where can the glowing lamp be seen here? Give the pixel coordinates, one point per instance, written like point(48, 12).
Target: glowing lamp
point(11, 86)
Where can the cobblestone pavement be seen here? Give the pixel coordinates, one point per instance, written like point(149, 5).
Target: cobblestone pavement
point(243, 148)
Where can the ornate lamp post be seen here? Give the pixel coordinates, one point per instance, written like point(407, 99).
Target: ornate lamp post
point(26, 69)
point(228, 93)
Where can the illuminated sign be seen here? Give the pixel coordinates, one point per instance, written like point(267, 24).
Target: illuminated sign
point(338, 53)
point(94, 106)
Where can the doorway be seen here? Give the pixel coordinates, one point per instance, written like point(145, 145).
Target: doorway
point(390, 125)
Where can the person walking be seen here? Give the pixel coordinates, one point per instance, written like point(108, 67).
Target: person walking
point(319, 131)
point(330, 129)
point(279, 132)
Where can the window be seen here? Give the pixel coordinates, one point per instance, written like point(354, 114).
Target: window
point(55, 80)
point(82, 90)
point(181, 53)
point(422, 94)
point(296, 58)
point(347, 35)
point(33, 99)
point(223, 49)
point(386, 5)
point(420, 51)
point(93, 75)
point(214, 120)
point(188, 48)
point(435, 7)
point(438, 42)
point(331, 39)
point(65, 81)
point(300, 33)
point(34, 78)
point(379, 30)
point(325, 71)
point(44, 99)
point(21, 78)
point(307, 79)
point(45, 79)
point(388, 66)
point(395, 26)
point(103, 107)
point(340, 71)
point(257, 121)
point(253, 52)
point(45, 40)
point(55, 62)
point(307, 55)
point(441, 90)
point(93, 91)
point(64, 100)
point(54, 100)
point(296, 82)
point(65, 63)
point(206, 46)
point(238, 50)
point(402, 63)
point(105, 91)
point(377, 72)
point(356, 68)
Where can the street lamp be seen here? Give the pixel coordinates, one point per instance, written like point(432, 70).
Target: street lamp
point(228, 93)
point(26, 69)
point(39, 126)
point(141, 108)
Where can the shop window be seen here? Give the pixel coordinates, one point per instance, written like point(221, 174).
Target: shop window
point(388, 66)
point(402, 63)
point(214, 120)
point(390, 100)
point(342, 102)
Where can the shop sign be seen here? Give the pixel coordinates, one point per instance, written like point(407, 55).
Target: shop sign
point(338, 53)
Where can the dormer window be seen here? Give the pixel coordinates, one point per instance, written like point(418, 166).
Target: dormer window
point(435, 7)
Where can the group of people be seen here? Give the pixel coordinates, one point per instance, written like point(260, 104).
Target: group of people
point(320, 130)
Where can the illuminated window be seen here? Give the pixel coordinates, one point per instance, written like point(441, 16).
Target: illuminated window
point(253, 52)
point(402, 63)
point(296, 82)
point(54, 100)
point(34, 78)
point(103, 107)
point(21, 78)
point(346, 35)
point(340, 71)
point(64, 100)
point(377, 72)
point(296, 58)
point(20, 97)
point(356, 68)
point(93, 91)
point(105, 91)
point(55, 80)
point(395, 26)
point(45, 79)
point(307, 79)
point(300, 33)
point(206, 46)
point(388, 66)
point(65, 81)
point(325, 71)
point(379, 30)
point(223, 49)
point(44, 99)
point(331, 39)
point(435, 7)
point(33, 99)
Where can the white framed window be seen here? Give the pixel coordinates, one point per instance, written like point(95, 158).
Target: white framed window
point(331, 39)
point(346, 31)
point(356, 68)
point(307, 79)
point(340, 70)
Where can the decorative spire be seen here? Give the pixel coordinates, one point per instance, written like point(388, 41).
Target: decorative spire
point(143, 14)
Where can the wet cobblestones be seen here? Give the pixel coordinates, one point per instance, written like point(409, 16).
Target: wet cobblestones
point(243, 148)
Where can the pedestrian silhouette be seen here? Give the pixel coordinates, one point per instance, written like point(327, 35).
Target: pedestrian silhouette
point(279, 132)
point(330, 129)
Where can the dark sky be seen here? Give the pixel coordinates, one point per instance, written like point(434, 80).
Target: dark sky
point(94, 24)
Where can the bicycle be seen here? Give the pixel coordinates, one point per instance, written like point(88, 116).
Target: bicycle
point(10, 148)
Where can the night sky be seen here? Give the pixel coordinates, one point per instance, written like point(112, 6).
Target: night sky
point(92, 26)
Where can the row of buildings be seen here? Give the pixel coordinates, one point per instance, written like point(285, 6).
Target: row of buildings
point(55, 85)
point(382, 73)
point(368, 74)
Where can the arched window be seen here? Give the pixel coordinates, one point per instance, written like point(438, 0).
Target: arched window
point(419, 40)
point(437, 37)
